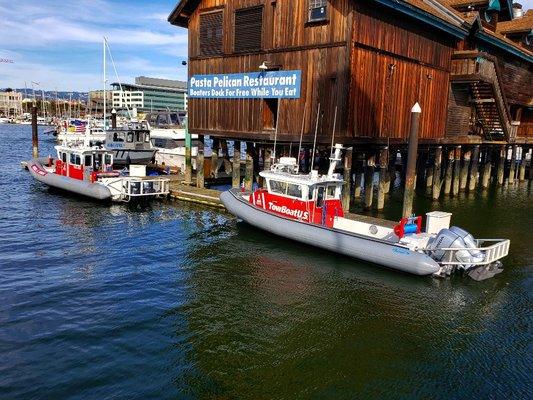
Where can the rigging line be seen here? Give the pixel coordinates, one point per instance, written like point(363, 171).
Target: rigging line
point(116, 74)
point(301, 135)
point(314, 140)
point(276, 132)
point(333, 133)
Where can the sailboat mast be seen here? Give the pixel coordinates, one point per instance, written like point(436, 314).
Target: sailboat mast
point(105, 102)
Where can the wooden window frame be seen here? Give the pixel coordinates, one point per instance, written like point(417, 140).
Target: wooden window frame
point(221, 50)
point(262, 44)
point(317, 21)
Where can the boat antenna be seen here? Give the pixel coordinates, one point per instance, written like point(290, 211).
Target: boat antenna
point(118, 79)
point(314, 140)
point(276, 132)
point(333, 133)
point(301, 136)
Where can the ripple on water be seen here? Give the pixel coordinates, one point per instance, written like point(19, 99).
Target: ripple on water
point(176, 301)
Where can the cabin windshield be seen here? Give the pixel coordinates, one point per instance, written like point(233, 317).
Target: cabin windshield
point(288, 189)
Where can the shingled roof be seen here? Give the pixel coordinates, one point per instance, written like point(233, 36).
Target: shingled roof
point(523, 24)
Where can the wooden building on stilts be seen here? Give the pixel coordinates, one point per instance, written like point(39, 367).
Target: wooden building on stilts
point(364, 63)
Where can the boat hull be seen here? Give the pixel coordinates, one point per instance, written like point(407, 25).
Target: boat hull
point(372, 250)
point(84, 188)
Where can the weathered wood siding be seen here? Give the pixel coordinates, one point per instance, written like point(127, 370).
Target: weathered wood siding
point(394, 64)
point(517, 81)
point(318, 50)
point(242, 118)
point(346, 64)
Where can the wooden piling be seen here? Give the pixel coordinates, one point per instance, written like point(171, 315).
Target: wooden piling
point(502, 156)
point(487, 168)
point(522, 166)
point(435, 191)
point(214, 158)
point(188, 158)
point(456, 170)
point(531, 165)
point(463, 178)
point(34, 133)
point(409, 192)
point(390, 176)
point(449, 171)
point(357, 184)
point(472, 182)
point(249, 172)
point(346, 191)
point(512, 167)
point(358, 177)
point(430, 168)
point(383, 173)
point(236, 170)
point(267, 159)
point(200, 176)
point(369, 179)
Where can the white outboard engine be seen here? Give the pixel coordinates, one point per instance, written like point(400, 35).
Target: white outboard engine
point(476, 255)
point(455, 238)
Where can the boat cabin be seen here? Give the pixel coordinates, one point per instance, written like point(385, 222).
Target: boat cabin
point(128, 139)
point(86, 164)
point(308, 198)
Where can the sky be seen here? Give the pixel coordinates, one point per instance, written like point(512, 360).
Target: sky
point(58, 43)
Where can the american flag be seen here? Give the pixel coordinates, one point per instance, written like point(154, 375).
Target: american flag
point(80, 128)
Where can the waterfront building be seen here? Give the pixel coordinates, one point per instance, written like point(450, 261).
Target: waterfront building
point(369, 60)
point(150, 94)
point(10, 103)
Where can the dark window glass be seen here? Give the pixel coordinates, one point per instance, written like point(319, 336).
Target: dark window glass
point(248, 29)
point(318, 10)
point(88, 161)
point(211, 33)
point(320, 196)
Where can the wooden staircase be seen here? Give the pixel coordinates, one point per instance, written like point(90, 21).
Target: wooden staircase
point(480, 72)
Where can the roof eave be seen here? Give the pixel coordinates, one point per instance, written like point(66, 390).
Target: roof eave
point(176, 18)
point(494, 41)
point(404, 8)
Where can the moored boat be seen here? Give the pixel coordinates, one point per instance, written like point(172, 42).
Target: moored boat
point(130, 144)
point(88, 171)
point(308, 208)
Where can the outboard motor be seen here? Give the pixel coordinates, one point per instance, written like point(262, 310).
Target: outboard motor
point(455, 238)
point(477, 256)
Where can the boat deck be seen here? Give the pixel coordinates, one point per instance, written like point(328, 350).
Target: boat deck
point(370, 220)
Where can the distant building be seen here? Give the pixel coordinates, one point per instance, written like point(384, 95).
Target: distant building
point(96, 101)
point(150, 94)
point(10, 103)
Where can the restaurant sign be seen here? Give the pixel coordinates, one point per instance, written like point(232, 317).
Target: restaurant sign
point(252, 85)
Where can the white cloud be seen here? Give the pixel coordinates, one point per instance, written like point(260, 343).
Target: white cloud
point(39, 36)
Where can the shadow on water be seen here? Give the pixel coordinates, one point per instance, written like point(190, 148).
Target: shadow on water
point(178, 301)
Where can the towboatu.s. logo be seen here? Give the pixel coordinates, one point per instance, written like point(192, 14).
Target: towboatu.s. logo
point(300, 214)
point(38, 170)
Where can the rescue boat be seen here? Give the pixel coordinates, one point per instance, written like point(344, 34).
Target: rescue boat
point(88, 171)
point(308, 208)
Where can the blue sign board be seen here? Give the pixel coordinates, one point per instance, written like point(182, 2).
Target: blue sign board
point(252, 85)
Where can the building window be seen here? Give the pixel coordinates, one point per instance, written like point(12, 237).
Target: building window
point(211, 33)
point(318, 10)
point(248, 29)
